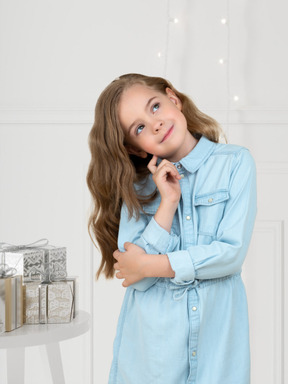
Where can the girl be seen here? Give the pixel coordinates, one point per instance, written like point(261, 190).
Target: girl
point(182, 206)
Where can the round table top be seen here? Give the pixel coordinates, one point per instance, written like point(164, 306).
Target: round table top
point(37, 334)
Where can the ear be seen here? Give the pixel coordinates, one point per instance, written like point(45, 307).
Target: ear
point(174, 98)
point(135, 151)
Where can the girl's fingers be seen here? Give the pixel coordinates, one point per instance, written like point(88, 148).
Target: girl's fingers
point(126, 245)
point(116, 254)
point(167, 168)
point(152, 164)
point(165, 165)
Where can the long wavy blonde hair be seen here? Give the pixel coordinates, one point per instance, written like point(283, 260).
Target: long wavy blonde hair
point(113, 172)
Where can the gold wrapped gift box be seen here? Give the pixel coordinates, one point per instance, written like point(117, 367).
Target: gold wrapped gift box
point(11, 302)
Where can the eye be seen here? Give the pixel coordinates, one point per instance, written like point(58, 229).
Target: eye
point(155, 107)
point(139, 129)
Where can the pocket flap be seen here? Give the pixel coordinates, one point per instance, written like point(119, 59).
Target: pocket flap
point(211, 198)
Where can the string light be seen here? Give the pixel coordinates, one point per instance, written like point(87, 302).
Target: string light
point(226, 60)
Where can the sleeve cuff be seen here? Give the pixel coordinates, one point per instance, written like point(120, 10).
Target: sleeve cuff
point(183, 267)
point(157, 237)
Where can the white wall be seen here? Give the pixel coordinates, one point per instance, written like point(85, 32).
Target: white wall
point(55, 59)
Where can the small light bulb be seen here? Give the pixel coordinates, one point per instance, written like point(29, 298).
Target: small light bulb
point(224, 21)
point(221, 61)
point(174, 20)
point(236, 98)
point(159, 54)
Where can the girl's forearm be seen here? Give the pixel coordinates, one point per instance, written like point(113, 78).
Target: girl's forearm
point(165, 213)
point(158, 266)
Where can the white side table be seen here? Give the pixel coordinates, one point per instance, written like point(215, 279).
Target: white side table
point(38, 334)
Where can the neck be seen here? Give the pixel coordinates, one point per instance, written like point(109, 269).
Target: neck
point(188, 145)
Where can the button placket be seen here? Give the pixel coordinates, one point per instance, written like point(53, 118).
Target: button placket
point(186, 208)
point(194, 319)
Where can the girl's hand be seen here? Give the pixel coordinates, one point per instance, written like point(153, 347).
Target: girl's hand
point(130, 264)
point(166, 177)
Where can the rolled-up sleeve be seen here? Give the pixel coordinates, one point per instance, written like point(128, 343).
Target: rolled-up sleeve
point(147, 234)
point(225, 255)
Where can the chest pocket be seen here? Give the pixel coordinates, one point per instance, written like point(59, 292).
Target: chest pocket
point(210, 208)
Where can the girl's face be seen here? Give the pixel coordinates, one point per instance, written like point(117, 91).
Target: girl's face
point(153, 123)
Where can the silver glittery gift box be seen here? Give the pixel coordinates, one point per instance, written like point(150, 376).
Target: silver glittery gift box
point(39, 264)
point(11, 303)
point(28, 262)
point(50, 303)
point(55, 263)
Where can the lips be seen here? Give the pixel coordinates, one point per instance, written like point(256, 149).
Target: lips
point(168, 133)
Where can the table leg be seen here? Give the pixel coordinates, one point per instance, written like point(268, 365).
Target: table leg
point(55, 362)
point(16, 365)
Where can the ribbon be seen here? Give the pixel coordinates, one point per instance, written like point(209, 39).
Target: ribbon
point(5, 270)
point(6, 247)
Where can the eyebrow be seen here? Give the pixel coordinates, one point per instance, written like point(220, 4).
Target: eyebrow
point(146, 106)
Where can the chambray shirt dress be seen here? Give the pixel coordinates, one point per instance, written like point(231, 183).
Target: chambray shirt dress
point(192, 329)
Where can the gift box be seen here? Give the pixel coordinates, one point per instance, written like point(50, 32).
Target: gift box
point(11, 303)
point(55, 263)
point(38, 264)
point(28, 262)
point(53, 302)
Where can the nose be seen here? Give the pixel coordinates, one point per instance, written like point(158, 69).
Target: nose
point(157, 126)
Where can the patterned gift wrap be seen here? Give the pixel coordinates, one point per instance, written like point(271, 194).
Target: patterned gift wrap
point(55, 262)
point(11, 303)
point(39, 264)
point(28, 262)
point(50, 303)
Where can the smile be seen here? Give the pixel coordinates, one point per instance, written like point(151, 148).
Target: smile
point(168, 134)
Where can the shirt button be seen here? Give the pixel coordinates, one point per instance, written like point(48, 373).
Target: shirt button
point(194, 308)
point(188, 218)
point(179, 166)
point(210, 200)
point(182, 176)
point(194, 353)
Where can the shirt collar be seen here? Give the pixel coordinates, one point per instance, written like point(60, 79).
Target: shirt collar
point(199, 154)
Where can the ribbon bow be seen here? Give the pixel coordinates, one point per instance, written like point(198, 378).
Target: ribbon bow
point(180, 290)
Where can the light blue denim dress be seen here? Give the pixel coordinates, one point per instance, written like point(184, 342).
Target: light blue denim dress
point(192, 329)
